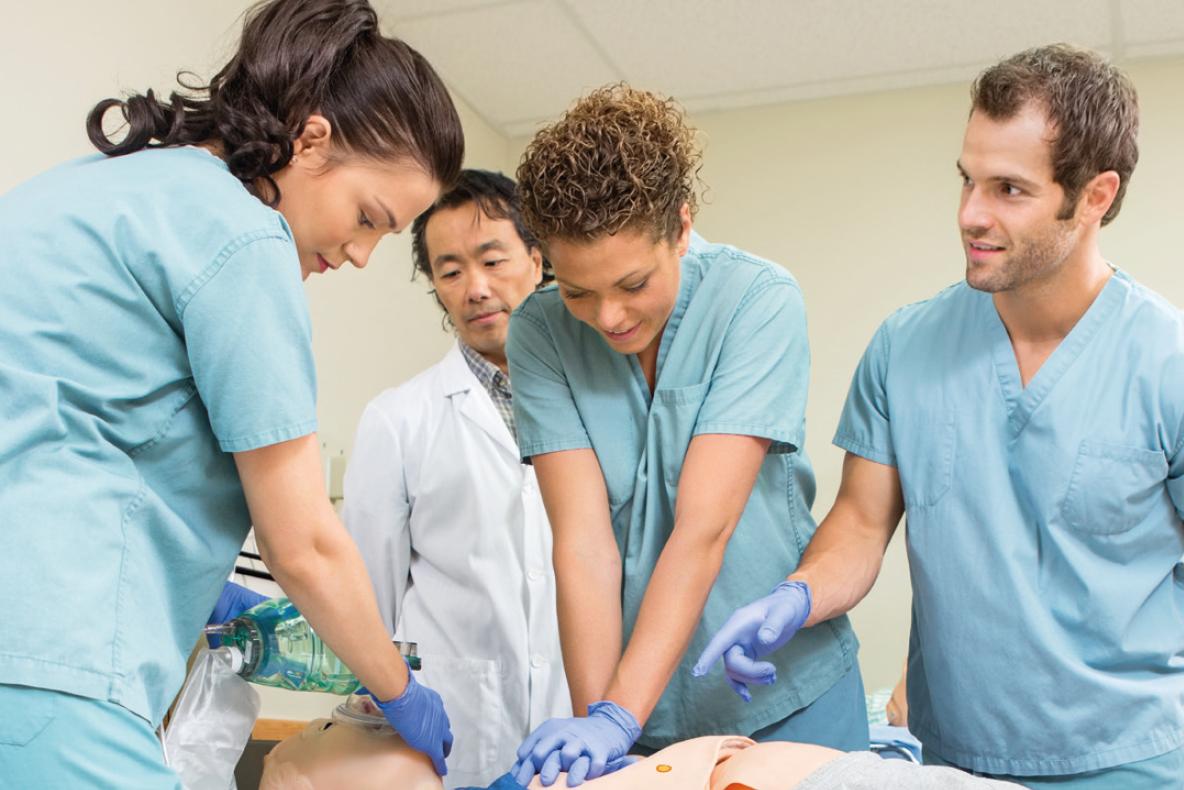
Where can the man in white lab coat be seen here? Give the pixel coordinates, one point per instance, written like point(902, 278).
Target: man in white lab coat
point(448, 519)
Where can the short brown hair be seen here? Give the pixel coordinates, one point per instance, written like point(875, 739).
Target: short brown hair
point(619, 159)
point(1090, 103)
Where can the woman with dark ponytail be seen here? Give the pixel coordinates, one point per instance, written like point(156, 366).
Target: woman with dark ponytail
point(157, 391)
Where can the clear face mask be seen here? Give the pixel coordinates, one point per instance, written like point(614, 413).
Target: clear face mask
point(361, 712)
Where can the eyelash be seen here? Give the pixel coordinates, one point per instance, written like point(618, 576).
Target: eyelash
point(634, 289)
point(366, 221)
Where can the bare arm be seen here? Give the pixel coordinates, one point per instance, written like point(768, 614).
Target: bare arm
point(587, 570)
point(716, 480)
point(314, 560)
point(844, 556)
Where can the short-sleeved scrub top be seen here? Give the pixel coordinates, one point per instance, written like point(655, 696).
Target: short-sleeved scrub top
point(1044, 528)
point(733, 359)
point(152, 321)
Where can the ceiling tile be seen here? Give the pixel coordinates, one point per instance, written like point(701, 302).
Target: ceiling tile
point(757, 45)
point(522, 62)
point(513, 62)
point(1153, 28)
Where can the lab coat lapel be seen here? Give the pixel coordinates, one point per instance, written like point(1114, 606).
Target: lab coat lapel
point(471, 400)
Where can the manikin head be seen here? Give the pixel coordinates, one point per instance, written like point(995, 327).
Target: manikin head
point(355, 749)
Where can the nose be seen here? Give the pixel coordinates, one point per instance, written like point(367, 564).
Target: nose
point(477, 287)
point(973, 213)
point(358, 252)
point(610, 314)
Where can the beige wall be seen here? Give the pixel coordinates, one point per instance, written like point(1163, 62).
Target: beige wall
point(856, 196)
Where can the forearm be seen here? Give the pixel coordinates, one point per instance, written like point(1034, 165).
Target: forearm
point(313, 559)
point(717, 478)
point(669, 615)
point(589, 606)
point(844, 557)
point(329, 585)
point(587, 570)
point(839, 566)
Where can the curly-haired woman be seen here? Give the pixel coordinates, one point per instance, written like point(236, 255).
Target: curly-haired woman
point(660, 392)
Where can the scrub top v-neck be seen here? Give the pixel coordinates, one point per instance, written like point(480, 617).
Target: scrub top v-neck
point(1044, 528)
point(733, 359)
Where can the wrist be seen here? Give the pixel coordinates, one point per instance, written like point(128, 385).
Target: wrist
point(618, 715)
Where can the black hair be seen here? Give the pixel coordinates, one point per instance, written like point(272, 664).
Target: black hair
point(296, 58)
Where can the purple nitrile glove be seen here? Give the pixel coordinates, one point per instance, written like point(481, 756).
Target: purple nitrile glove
point(234, 600)
point(419, 718)
point(753, 631)
point(584, 747)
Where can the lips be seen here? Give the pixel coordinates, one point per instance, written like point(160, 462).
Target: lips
point(324, 264)
point(485, 318)
point(622, 337)
point(981, 251)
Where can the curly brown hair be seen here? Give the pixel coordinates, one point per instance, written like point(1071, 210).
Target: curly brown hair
point(619, 159)
point(1092, 105)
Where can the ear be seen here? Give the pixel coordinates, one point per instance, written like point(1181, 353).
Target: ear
point(684, 236)
point(1097, 196)
point(313, 142)
point(536, 258)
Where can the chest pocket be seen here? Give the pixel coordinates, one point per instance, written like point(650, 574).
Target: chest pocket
point(925, 444)
point(1113, 487)
point(674, 415)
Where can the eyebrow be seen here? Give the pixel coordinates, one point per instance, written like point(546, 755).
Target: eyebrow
point(633, 273)
point(1006, 179)
point(390, 215)
point(448, 257)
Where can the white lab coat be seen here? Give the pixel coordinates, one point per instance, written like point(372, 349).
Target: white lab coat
point(453, 532)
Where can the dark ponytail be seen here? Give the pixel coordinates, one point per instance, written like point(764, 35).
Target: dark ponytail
point(296, 58)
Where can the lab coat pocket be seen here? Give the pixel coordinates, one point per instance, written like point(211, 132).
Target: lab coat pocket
point(673, 416)
point(925, 450)
point(472, 690)
point(1113, 487)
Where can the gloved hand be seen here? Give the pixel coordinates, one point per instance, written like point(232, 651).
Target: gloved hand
point(583, 747)
point(418, 716)
point(753, 631)
point(234, 600)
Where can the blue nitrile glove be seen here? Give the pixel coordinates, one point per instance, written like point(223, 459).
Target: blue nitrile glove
point(234, 600)
point(585, 747)
point(418, 716)
point(753, 631)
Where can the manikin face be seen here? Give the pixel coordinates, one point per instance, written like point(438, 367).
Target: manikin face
point(1008, 215)
point(329, 756)
point(481, 270)
point(340, 210)
point(623, 286)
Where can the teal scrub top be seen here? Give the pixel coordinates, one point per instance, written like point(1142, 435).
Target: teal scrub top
point(152, 321)
point(1044, 528)
point(733, 359)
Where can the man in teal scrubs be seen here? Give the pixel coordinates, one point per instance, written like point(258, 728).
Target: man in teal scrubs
point(1029, 422)
point(660, 392)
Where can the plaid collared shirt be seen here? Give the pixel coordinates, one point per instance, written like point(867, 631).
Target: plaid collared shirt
point(496, 383)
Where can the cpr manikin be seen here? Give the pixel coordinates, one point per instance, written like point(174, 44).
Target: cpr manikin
point(357, 749)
